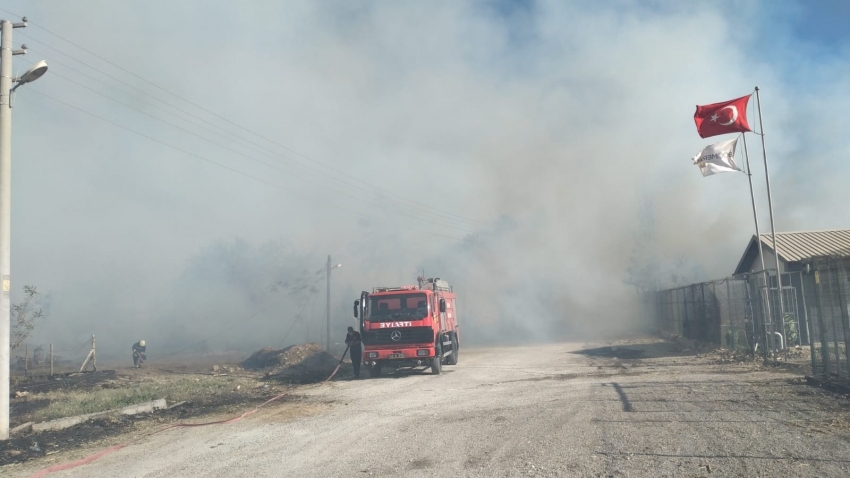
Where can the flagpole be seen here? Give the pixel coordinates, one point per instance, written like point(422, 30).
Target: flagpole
point(772, 224)
point(758, 234)
point(753, 199)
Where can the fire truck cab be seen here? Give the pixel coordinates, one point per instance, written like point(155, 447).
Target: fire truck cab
point(409, 326)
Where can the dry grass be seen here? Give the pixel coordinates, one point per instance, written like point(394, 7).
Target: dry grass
point(120, 393)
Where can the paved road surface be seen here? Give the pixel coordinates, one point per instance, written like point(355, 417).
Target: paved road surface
point(525, 411)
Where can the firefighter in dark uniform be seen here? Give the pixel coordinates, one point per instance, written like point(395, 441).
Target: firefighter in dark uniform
point(139, 353)
point(355, 349)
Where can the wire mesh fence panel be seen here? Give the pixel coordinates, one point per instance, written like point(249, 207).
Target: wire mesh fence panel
point(35, 358)
point(735, 317)
point(826, 303)
point(719, 312)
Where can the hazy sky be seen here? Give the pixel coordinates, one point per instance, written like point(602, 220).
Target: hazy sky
point(539, 126)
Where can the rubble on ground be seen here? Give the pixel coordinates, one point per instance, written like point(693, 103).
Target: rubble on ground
point(302, 363)
point(722, 356)
point(223, 370)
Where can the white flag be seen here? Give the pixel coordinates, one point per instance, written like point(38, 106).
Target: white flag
point(717, 158)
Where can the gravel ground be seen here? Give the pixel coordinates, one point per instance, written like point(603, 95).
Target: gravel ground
point(639, 409)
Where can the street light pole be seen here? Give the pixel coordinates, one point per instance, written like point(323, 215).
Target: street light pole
point(5, 223)
point(6, 80)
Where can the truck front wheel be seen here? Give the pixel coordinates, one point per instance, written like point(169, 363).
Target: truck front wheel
point(437, 363)
point(452, 359)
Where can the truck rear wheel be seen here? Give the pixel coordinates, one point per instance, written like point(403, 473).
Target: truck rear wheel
point(437, 363)
point(452, 359)
point(375, 371)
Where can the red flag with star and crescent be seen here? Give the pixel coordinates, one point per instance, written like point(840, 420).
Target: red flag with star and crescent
point(721, 118)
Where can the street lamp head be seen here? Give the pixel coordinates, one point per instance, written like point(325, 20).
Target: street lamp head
point(34, 73)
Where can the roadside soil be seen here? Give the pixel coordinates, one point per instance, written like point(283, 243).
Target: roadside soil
point(229, 390)
point(614, 409)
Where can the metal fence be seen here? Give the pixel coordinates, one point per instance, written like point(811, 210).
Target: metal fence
point(747, 312)
point(740, 312)
point(720, 312)
point(36, 359)
point(827, 302)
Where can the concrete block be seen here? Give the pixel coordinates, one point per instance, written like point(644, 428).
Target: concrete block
point(147, 407)
point(20, 429)
point(67, 422)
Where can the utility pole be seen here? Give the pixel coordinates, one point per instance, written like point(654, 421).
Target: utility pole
point(328, 269)
point(6, 80)
point(5, 169)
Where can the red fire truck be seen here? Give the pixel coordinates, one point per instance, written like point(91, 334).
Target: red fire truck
point(409, 326)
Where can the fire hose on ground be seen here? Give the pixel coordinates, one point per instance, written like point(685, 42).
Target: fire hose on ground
point(114, 448)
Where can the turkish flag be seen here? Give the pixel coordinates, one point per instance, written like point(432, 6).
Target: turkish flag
point(721, 118)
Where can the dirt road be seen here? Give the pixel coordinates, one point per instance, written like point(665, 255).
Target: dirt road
point(637, 410)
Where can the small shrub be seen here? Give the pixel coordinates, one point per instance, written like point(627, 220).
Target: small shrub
point(791, 336)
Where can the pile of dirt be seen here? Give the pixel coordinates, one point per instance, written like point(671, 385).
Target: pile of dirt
point(725, 356)
point(302, 363)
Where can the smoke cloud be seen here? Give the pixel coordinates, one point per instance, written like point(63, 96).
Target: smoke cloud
point(564, 131)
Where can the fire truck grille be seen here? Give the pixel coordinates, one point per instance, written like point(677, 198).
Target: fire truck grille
point(406, 335)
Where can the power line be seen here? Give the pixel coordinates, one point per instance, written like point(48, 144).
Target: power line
point(139, 98)
point(202, 158)
point(427, 208)
point(265, 150)
point(176, 148)
point(271, 165)
point(298, 318)
point(239, 322)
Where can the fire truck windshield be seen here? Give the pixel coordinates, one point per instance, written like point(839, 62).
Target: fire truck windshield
point(397, 306)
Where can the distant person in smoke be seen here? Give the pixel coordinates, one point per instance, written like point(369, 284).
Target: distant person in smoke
point(139, 353)
point(355, 349)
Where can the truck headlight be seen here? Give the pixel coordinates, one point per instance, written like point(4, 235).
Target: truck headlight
point(372, 355)
point(421, 353)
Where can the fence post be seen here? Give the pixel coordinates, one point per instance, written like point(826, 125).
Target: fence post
point(766, 314)
point(704, 313)
point(717, 328)
point(824, 344)
point(679, 319)
point(677, 314)
point(833, 282)
point(844, 315)
point(675, 311)
point(729, 316)
point(748, 307)
point(671, 314)
point(685, 331)
point(90, 357)
point(806, 318)
point(51, 360)
point(834, 329)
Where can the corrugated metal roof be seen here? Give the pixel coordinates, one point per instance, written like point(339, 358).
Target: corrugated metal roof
point(796, 246)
